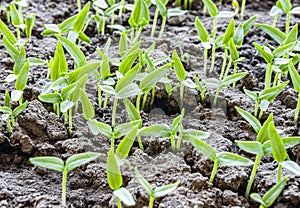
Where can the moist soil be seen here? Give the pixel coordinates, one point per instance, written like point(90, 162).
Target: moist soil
point(40, 132)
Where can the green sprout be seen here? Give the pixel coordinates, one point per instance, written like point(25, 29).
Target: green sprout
point(201, 89)
point(264, 97)
point(57, 164)
point(236, 5)
point(271, 195)
point(29, 22)
point(296, 81)
point(115, 181)
point(219, 159)
point(181, 76)
point(223, 83)
point(165, 13)
point(9, 115)
point(243, 8)
point(156, 193)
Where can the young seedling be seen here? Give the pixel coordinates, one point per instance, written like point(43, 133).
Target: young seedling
point(57, 164)
point(9, 115)
point(219, 159)
point(29, 22)
point(270, 196)
point(115, 181)
point(139, 18)
point(181, 76)
point(223, 83)
point(296, 83)
point(201, 89)
point(265, 96)
point(165, 13)
point(156, 193)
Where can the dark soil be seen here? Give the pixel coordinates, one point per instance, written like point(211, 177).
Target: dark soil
point(40, 132)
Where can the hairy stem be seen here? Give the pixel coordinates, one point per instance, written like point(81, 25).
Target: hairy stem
point(162, 26)
point(114, 112)
point(297, 109)
point(224, 63)
point(154, 22)
point(9, 128)
point(105, 100)
point(138, 102)
point(103, 25)
point(214, 171)
point(179, 143)
point(64, 189)
point(252, 176)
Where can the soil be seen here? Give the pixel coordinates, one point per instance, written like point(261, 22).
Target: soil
point(40, 132)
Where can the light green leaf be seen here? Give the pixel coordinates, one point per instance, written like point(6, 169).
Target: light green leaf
point(202, 32)
point(19, 109)
point(7, 33)
point(50, 98)
point(178, 67)
point(21, 81)
point(230, 159)
point(265, 54)
point(83, 70)
point(80, 19)
point(157, 130)
point(144, 183)
point(273, 32)
point(97, 127)
point(256, 197)
point(114, 176)
point(211, 7)
point(252, 147)
point(125, 145)
point(87, 107)
point(132, 112)
point(164, 190)
point(233, 78)
point(80, 159)
point(66, 105)
point(52, 163)
point(229, 33)
point(294, 76)
point(125, 196)
point(278, 149)
point(271, 195)
point(254, 122)
point(270, 94)
point(203, 148)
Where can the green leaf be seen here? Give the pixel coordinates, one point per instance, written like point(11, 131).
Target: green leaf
point(254, 122)
point(161, 7)
point(73, 50)
point(59, 64)
point(286, 5)
point(87, 107)
point(80, 159)
point(292, 36)
point(271, 195)
point(114, 176)
point(239, 35)
point(144, 183)
point(149, 82)
point(29, 21)
point(282, 50)
point(248, 24)
point(202, 32)
point(108, 89)
point(67, 24)
point(211, 7)
point(273, 32)
point(127, 79)
point(294, 76)
point(129, 91)
point(176, 123)
point(204, 148)
point(19, 109)
point(83, 70)
point(80, 19)
point(97, 127)
point(173, 12)
point(229, 33)
point(234, 55)
point(196, 133)
point(112, 9)
point(275, 11)
point(5, 110)
point(265, 54)
point(123, 45)
point(233, 78)
point(50, 98)
point(164, 190)
point(291, 166)
point(178, 67)
point(16, 95)
point(256, 197)
point(290, 142)
point(270, 94)
point(7, 33)
point(230, 159)
point(124, 128)
point(128, 61)
point(66, 105)
point(157, 130)
point(20, 61)
point(295, 10)
point(15, 16)
point(251, 94)
point(67, 91)
point(263, 134)
point(278, 149)
point(131, 110)
point(252, 147)
point(10, 48)
point(21, 81)
point(7, 99)
point(52, 163)
point(125, 145)
point(125, 196)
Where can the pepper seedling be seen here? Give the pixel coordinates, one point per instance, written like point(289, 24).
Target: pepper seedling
point(57, 164)
point(219, 159)
point(115, 181)
point(165, 13)
point(264, 97)
point(223, 83)
point(156, 193)
point(296, 83)
point(271, 195)
point(9, 115)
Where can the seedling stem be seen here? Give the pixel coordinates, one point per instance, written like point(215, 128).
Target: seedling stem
point(154, 22)
point(243, 8)
point(252, 176)
point(214, 171)
point(279, 172)
point(162, 26)
point(113, 118)
point(64, 189)
point(297, 109)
